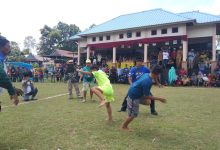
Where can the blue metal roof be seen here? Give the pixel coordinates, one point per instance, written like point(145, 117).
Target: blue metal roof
point(140, 19)
point(75, 37)
point(201, 17)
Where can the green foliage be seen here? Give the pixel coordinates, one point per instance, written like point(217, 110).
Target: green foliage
point(57, 38)
point(16, 54)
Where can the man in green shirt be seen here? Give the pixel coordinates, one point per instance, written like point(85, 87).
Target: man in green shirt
point(5, 82)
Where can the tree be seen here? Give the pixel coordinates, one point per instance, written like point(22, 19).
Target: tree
point(92, 26)
point(16, 54)
point(29, 44)
point(57, 38)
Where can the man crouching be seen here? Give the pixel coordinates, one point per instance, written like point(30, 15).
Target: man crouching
point(139, 93)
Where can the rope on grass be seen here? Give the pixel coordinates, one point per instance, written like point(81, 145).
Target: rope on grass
point(59, 95)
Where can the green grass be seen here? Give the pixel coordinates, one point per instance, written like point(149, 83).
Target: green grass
point(190, 120)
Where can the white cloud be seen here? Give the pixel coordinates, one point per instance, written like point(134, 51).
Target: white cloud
point(25, 17)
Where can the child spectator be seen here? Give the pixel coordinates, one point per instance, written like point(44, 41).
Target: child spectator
point(28, 88)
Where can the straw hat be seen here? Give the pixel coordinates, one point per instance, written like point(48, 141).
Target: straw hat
point(88, 61)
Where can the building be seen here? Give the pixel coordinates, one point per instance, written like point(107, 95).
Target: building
point(138, 33)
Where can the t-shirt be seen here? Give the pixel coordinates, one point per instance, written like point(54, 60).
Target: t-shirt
point(104, 84)
point(87, 78)
point(101, 77)
point(141, 87)
point(136, 72)
point(191, 55)
point(165, 55)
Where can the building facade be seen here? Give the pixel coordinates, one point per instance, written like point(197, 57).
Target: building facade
point(143, 32)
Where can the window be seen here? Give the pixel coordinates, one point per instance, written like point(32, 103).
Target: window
point(129, 34)
point(108, 37)
point(101, 38)
point(94, 39)
point(154, 32)
point(121, 36)
point(164, 31)
point(175, 30)
point(138, 34)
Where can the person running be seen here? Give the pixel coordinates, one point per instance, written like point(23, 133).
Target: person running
point(134, 74)
point(5, 81)
point(139, 93)
point(88, 81)
point(104, 90)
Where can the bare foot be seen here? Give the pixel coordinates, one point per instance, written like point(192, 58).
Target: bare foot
point(109, 120)
point(102, 103)
point(126, 129)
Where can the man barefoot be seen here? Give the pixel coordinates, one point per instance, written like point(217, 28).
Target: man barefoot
point(139, 93)
point(104, 91)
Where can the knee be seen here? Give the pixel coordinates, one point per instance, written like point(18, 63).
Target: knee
point(107, 105)
point(93, 89)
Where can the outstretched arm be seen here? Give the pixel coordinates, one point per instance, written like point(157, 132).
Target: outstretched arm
point(163, 100)
point(84, 72)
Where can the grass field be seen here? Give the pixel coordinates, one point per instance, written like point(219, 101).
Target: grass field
point(190, 120)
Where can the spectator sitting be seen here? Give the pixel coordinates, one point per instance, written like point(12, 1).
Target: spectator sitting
point(199, 78)
point(28, 88)
point(185, 80)
point(178, 81)
point(194, 79)
point(182, 72)
point(205, 80)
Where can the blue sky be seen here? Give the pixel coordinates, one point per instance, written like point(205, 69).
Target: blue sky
point(25, 17)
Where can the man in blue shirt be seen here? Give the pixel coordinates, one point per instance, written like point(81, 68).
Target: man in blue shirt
point(134, 74)
point(139, 93)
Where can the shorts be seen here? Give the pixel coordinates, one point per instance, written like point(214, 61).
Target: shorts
point(88, 85)
point(133, 106)
point(108, 92)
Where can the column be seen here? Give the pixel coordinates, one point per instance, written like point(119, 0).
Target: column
point(185, 52)
point(145, 54)
point(214, 48)
point(213, 62)
point(88, 53)
point(78, 63)
point(114, 55)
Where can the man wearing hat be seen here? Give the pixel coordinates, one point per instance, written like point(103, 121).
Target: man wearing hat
point(135, 73)
point(71, 75)
point(88, 80)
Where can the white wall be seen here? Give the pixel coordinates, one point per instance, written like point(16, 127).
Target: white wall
point(201, 30)
point(83, 43)
point(145, 33)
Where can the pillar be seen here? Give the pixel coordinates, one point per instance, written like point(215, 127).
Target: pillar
point(88, 53)
point(185, 52)
point(78, 63)
point(213, 62)
point(145, 54)
point(114, 56)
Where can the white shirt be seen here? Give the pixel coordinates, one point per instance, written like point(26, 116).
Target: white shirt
point(165, 55)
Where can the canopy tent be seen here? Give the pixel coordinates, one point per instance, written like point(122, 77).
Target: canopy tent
point(20, 64)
